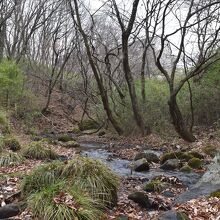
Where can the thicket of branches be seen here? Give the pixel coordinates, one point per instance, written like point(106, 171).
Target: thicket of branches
point(108, 55)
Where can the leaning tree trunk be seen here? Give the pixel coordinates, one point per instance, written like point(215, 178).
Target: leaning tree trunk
point(178, 122)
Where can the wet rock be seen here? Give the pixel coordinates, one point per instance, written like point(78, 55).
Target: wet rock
point(140, 165)
point(8, 211)
point(62, 158)
point(171, 164)
point(195, 192)
point(122, 217)
point(168, 194)
point(149, 156)
point(173, 215)
point(141, 199)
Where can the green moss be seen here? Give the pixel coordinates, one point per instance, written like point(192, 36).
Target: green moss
point(11, 143)
point(182, 216)
point(210, 150)
point(65, 138)
point(39, 150)
point(154, 186)
point(215, 194)
point(186, 169)
point(195, 163)
point(88, 124)
point(175, 155)
point(76, 130)
point(196, 154)
point(71, 144)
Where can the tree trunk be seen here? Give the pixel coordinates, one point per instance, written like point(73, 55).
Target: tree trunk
point(102, 90)
point(178, 121)
point(131, 87)
point(2, 40)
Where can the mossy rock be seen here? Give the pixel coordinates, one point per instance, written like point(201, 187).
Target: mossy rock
point(215, 194)
point(88, 124)
point(195, 163)
point(175, 155)
point(196, 154)
point(155, 186)
point(64, 138)
point(11, 143)
point(71, 144)
point(210, 150)
point(186, 169)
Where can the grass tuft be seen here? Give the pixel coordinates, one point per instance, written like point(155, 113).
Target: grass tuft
point(74, 204)
point(10, 159)
point(42, 176)
point(95, 177)
point(38, 150)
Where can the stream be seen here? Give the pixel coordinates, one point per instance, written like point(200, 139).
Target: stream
point(121, 166)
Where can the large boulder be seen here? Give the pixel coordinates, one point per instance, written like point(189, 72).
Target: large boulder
point(8, 211)
point(171, 164)
point(141, 199)
point(141, 165)
point(149, 156)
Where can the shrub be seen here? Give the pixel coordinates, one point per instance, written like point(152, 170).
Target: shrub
point(4, 123)
point(62, 203)
point(88, 124)
point(11, 83)
point(39, 150)
point(10, 159)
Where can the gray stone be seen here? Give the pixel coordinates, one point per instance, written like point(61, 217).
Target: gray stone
point(203, 190)
point(8, 211)
point(140, 165)
point(141, 199)
point(171, 164)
